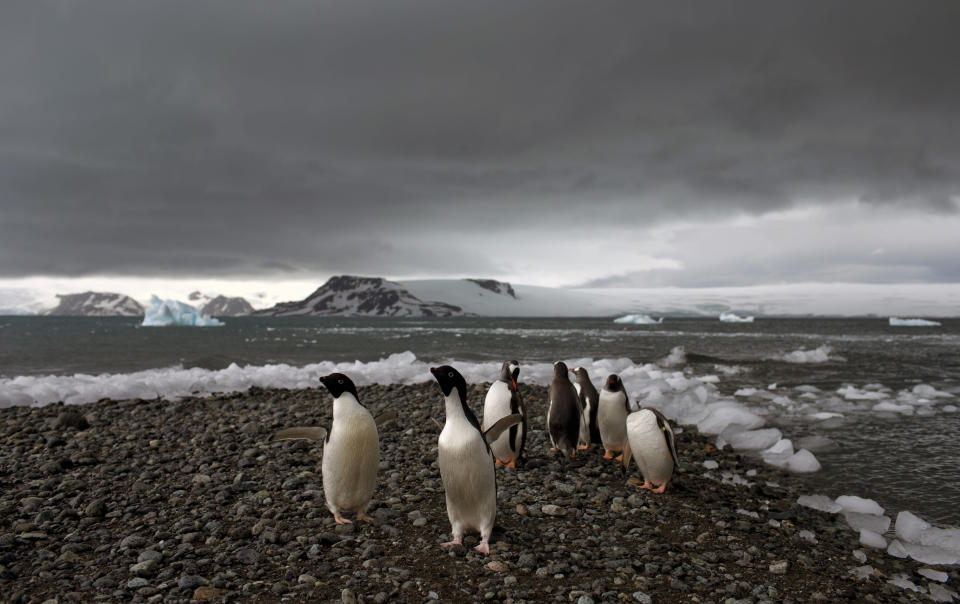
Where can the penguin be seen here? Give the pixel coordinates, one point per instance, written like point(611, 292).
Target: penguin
point(503, 399)
point(651, 440)
point(589, 433)
point(612, 411)
point(351, 451)
point(564, 413)
point(466, 462)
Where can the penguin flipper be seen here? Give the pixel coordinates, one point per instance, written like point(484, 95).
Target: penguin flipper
point(494, 431)
point(625, 457)
point(301, 432)
point(668, 435)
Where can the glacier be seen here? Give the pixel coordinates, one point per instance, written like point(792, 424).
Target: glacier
point(173, 313)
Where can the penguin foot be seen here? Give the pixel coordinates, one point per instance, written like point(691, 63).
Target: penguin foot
point(554, 449)
point(484, 547)
point(500, 463)
point(456, 541)
point(608, 454)
point(512, 464)
point(619, 457)
point(647, 485)
point(340, 519)
point(583, 447)
point(364, 517)
point(660, 489)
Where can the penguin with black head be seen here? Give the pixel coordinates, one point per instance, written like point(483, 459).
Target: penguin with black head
point(466, 462)
point(351, 450)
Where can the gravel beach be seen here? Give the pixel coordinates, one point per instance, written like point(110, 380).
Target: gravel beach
point(153, 500)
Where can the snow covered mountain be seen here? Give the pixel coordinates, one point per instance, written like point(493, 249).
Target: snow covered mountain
point(97, 304)
point(363, 296)
point(222, 306)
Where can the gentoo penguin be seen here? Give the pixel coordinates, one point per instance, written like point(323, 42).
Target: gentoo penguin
point(650, 439)
point(564, 413)
point(351, 451)
point(503, 399)
point(612, 411)
point(466, 463)
point(589, 432)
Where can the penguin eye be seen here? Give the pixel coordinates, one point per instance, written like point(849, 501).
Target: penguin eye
point(450, 374)
point(339, 381)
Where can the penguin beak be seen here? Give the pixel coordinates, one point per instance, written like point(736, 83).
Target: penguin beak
point(514, 382)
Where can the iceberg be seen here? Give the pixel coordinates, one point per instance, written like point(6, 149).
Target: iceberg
point(638, 320)
point(729, 317)
point(895, 322)
point(172, 313)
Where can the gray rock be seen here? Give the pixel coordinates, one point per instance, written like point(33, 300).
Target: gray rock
point(191, 582)
point(137, 583)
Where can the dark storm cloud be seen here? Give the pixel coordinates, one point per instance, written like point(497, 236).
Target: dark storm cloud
point(261, 138)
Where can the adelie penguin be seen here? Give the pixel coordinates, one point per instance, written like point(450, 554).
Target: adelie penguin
point(564, 413)
point(589, 431)
point(466, 463)
point(651, 441)
point(351, 450)
point(503, 399)
point(612, 411)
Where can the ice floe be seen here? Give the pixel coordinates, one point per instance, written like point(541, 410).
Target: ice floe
point(729, 317)
point(817, 355)
point(638, 320)
point(895, 322)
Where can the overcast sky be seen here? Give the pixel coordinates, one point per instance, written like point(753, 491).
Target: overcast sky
point(553, 143)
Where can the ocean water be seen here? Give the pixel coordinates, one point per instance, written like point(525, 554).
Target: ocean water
point(876, 404)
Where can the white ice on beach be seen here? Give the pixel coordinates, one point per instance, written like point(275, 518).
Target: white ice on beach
point(748, 440)
point(895, 322)
point(820, 502)
point(873, 522)
point(934, 575)
point(852, 503)
point(872, 539)
point(925, 543)
point(173, 313)
point(638, 320)
point(729, 317)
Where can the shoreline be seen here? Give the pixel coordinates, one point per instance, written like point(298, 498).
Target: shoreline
point(166, 501)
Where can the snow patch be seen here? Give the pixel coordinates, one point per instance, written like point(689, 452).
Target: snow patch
point(729, 317)
point(638, 320)
point(895, 322)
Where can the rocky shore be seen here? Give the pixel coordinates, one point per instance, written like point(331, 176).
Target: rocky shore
point(153, 500)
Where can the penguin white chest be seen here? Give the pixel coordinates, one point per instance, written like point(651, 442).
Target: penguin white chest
point(469, 481)
point(649, 447)
point(495, 407)
point(351, 457)
point(612, 419)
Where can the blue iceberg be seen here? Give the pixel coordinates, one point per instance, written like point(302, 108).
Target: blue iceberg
point(173, 313)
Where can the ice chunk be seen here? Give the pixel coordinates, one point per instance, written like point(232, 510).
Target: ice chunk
point(909, 527)
point(862, 572)
point(895, 322)
point(168, 313)
point(934, 575)
point(939, 593)
point(638, 320)
point(948, 539)
point(902, 582)
point(816, 443)
point(722, 414)
point(807, 536)
point(897, 550)
point(779, 454)
point(677, 357)
point(819, 502)
point(817, 355)
point(872, 539)
point(860, 555)
point(749, 440)
point(877, 524)
point(895, 408)
point(803, 461)
point(852, 503)
point(729, 317)
point(928, 391)
point(711, 464)
point(930, 554)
